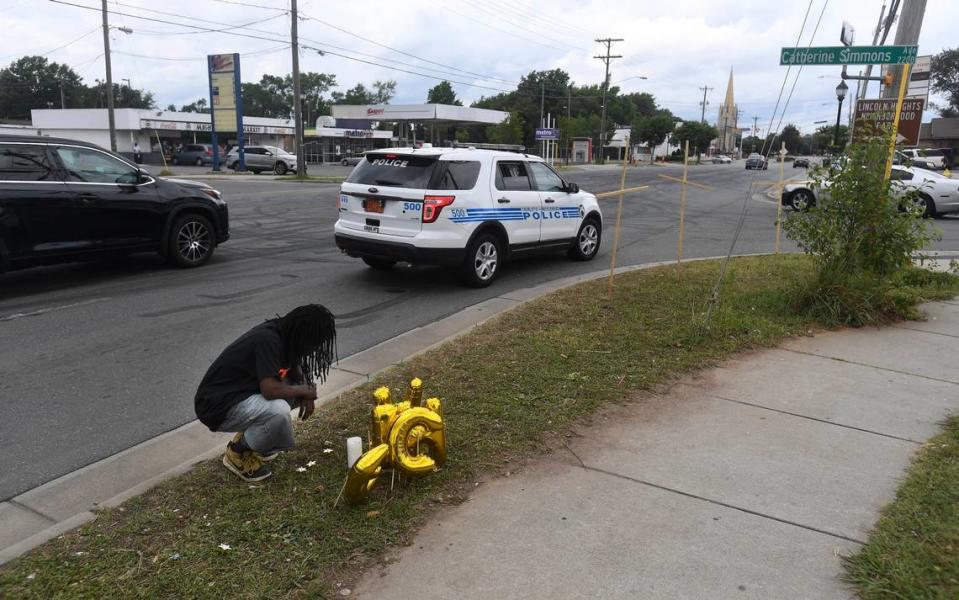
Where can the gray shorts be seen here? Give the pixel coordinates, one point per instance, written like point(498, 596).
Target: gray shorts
point(267, 425)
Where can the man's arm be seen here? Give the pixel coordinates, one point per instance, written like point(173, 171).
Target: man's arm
point(274, 389)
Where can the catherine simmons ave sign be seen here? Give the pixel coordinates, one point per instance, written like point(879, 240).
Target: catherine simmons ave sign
point(849, 55)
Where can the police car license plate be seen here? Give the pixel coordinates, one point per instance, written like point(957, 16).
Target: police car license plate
point(373, 205)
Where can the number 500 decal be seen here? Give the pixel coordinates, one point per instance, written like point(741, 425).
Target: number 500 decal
point(412, 206)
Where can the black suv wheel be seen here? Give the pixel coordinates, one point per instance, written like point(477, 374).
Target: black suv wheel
point(192, 241)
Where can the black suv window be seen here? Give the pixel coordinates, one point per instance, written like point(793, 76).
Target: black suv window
point(546, 179)
point(512, 176)
point(92, 166)
point(900, 175)
point(457, 175)
point(24, 163)
point(394, 170)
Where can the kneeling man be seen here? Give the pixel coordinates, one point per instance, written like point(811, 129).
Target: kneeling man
point(257, 380)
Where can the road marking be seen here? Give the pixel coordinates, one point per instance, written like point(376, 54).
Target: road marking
point(43, 311)
point(687, 182)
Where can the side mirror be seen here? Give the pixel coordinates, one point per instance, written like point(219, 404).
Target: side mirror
point(572, 188)
point(143, 175)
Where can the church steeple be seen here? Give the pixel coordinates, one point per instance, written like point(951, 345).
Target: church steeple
point(730, 101)
point(728, 121)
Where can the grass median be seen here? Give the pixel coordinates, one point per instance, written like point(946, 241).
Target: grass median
point(913, 551)
point(509, 387)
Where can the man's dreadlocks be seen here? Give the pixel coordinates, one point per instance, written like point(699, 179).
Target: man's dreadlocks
point(309, 338)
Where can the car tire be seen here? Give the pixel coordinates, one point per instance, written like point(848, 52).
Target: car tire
point(588, 239)
point(199, 162)
point(233, 166)
point(175, 160)
point(379, 264)
point(345, 162)
point(192, 241)
point(483, 260)
point(928, 206)
point(280, 168)
point(802, 200)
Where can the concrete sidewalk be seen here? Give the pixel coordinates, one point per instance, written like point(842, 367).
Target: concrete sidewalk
point(746, 481)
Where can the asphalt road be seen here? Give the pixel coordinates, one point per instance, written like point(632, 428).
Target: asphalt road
point(97, 357)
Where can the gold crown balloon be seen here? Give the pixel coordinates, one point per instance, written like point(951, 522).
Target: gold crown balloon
point(408, 436)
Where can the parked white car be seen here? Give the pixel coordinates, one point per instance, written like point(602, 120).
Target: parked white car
point(462, 207)
point(926, 158)
point(938, 195)
point(721, 159)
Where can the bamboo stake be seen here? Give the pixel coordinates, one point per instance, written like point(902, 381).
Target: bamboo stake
point(682, 204)
point(619, 220)
point(895, 121)
point(782, 185)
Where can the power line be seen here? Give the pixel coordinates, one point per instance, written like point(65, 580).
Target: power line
point(539, 16)
point(705, 90)
point(500, 17)
point(235, 3)
point(485, 24)
point(225, 29)
point(200, 58)
point(403, 52)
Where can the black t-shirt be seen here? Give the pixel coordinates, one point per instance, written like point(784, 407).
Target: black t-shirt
point(236, 374)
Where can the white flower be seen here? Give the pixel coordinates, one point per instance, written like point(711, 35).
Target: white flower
point(301, 469)
point(225, 547)
point(327, 450)
point(312, 463)
point(31, 576)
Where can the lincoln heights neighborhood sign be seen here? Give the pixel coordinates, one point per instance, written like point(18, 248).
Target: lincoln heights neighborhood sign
point(849, 55)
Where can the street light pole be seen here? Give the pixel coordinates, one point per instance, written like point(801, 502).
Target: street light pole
point(841, 90)
point(106, 55)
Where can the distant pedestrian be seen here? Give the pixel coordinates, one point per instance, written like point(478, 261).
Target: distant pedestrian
point(257, 380)
point(137, 155)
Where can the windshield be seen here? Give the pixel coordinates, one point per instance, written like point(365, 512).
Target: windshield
point(394, 170)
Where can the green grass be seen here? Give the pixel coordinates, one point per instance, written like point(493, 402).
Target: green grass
point(913, 552)
point(510, 387)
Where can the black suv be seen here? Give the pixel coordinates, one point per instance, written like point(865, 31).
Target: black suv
point(63, 200)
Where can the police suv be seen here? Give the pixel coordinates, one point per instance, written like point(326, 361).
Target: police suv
point(462, 207)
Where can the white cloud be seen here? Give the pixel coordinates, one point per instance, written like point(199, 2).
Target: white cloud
point(680, 46)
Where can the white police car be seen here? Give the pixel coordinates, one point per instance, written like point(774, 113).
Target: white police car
point(462, 207)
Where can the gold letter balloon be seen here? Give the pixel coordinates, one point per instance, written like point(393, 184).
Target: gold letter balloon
point(408, 436)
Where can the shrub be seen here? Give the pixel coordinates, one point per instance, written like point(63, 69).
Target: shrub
point(863, 236)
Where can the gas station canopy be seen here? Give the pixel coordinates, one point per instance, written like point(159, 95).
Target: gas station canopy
point(420, 113)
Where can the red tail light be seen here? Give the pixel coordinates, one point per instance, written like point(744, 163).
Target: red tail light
point(208, 152)
point(432, 205)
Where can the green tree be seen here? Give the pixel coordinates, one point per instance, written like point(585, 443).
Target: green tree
point(34, 82)
point(698, 134)
point(197, 106)
point(752, 144)
point(123, 97)
point(824, 138)
point(945, 80)
point(510, 131)
point(652, 130)
point(790, 134)
point(442, 93)
point(272, 96)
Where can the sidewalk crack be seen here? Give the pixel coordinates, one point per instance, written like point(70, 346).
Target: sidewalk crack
point(725, 505)
point(951, 335)
point(792, 414)
point(30, 509)
point(862, 364)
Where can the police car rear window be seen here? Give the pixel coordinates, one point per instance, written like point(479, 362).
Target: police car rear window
point(456, 175)
point(394, 170)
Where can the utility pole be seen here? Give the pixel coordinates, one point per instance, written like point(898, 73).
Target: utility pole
point(755, 126)
point(605, 59)
point(705, 90)
point(297, 109)
point(861, 91)
point(106, 55)
point(542, 104)
point(907, 34)
point(63, 97)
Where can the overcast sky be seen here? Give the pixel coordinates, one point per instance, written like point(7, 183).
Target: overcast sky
point(680, 46)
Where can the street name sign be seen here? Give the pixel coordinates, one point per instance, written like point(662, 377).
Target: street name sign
point(547, 133)
point(849, 55)
point(881, 113)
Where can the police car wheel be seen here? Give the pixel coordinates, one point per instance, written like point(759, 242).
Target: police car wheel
point(483, 259)
point(378, 263)
point(586, 245)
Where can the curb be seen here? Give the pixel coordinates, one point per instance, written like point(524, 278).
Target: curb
point(58, 506)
